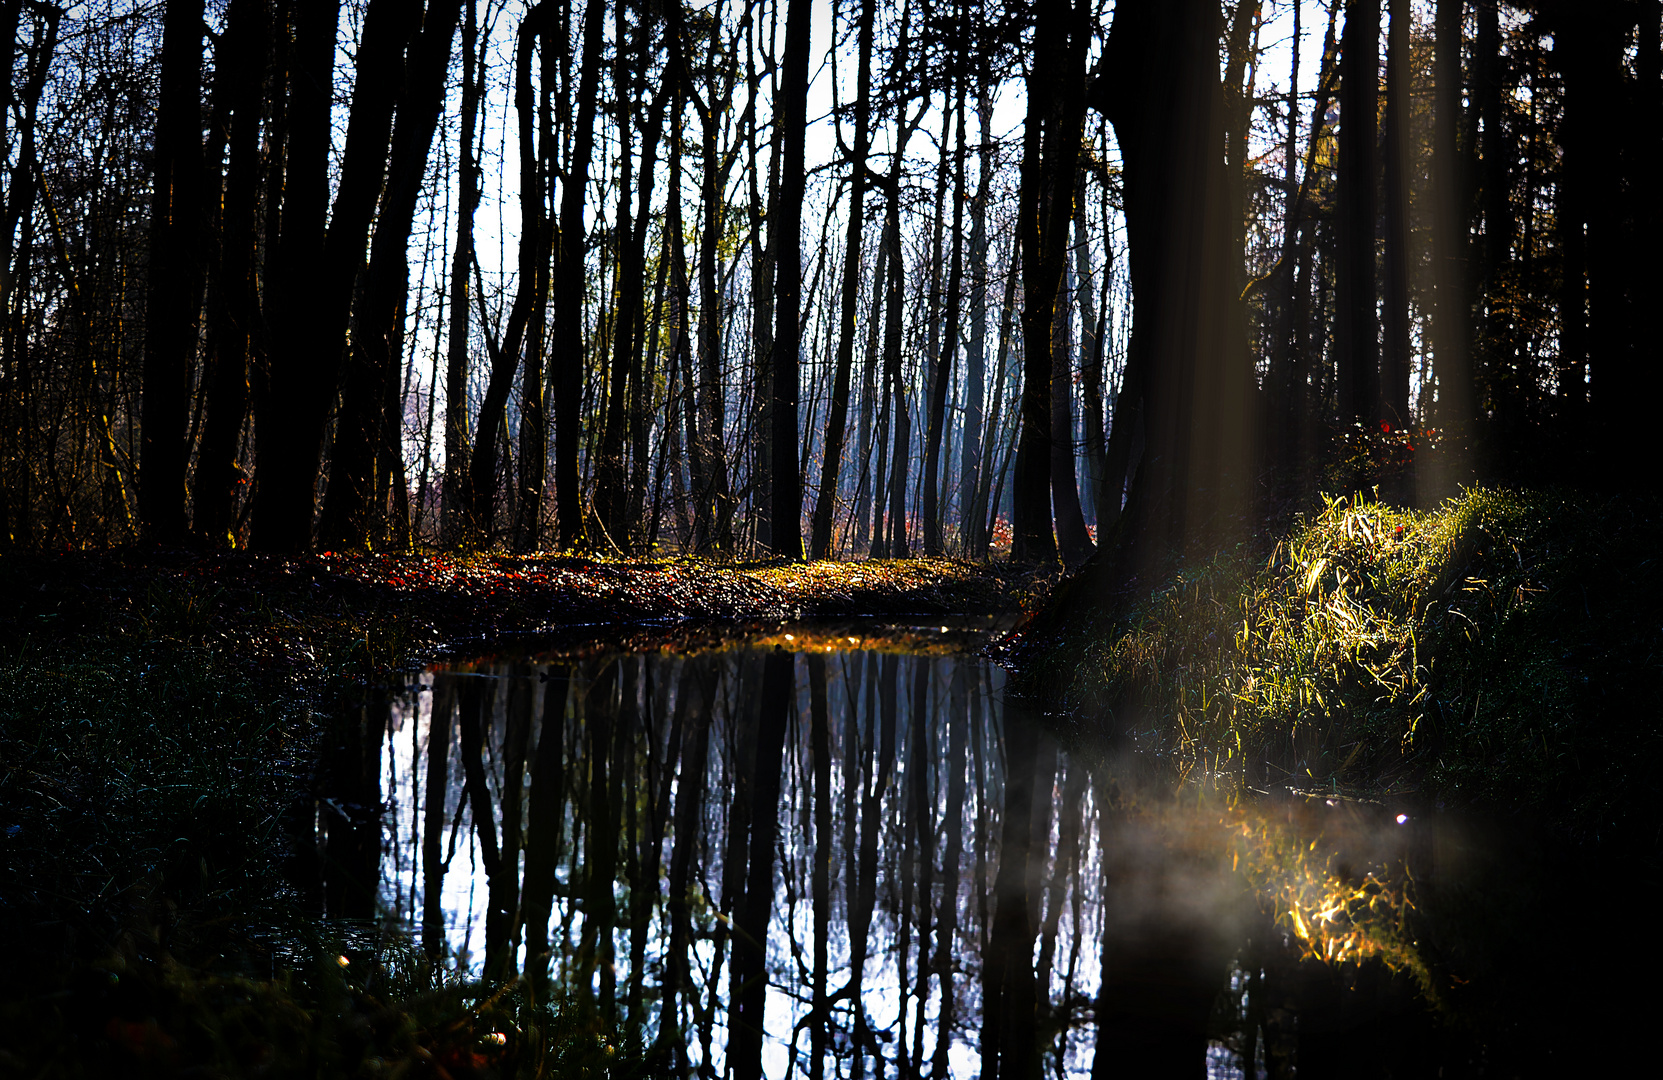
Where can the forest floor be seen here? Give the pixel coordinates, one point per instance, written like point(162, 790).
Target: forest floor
point(159, 714)
point(287, 611)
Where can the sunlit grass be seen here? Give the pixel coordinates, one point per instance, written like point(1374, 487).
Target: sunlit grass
point(1394, 649)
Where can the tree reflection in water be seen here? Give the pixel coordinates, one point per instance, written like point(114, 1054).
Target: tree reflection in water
point(850, 858)
point(838, 854)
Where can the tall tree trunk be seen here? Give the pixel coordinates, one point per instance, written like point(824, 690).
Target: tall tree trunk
point(1450, 336)
point(173, 287)
point(1357, 370)
point(1394, 362)
point(791, 116)
point(627, 337)
point(714, 506)
point(764, 257)
point(538, 168)
point(233, 308)
point(831, 460)
point(1050, 154)
point(1187, 340)
point(531, 295)
point(1496, 153)
point(316, 286)
point(929, 376)
point(372, 363)
point(933, 513)
point(1093, 328)
point(567, 377)
point(895, 545)
point(1074, 541)
point(869, 488)
point(975, 347)
point(457, 527)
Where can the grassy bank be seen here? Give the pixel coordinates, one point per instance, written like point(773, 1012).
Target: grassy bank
point(159, 722)
point(1501, 650)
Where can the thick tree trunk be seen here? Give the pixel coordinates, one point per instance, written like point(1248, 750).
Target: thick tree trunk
point(1050, 155)
point(1394, 361)
point(1450, 337)
point(233, 310)
point(372, 363)
point(626, 381)
point(531, 296)
point(1074, 541)
point(764, 244)
point(975, 347)
point(456, 527)
point(1188, 348)
point(174, 284)
point(714, 502)
point(871, 480)
point(792, 118)
point(1357, 368)
point(317, 287)
point(1093, 327)
point(895, 539)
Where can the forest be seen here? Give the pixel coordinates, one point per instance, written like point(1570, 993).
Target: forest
point(656, 277)
point(747, 537)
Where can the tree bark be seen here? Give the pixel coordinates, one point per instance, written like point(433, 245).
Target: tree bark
point(318, 271)
point(456, 526)
point(1394, 362)
point(1450, 339)
point(1357, 368)
point(831, 460)
point(567, 377)
point(1050, 154)
point(791, 116)
point(173, 287)
point(975, 347)
point(1074, 541)
point(233, 308)
point(372, 363)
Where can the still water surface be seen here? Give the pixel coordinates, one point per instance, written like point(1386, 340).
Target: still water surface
point(838, 851)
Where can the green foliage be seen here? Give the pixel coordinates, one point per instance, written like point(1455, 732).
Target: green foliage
point(1498, 649)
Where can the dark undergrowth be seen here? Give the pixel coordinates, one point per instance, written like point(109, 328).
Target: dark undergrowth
point(1501, 651)
point(1484, 674)
point(159, 721)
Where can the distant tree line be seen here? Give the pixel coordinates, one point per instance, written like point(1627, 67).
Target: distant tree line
point(378, 274)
